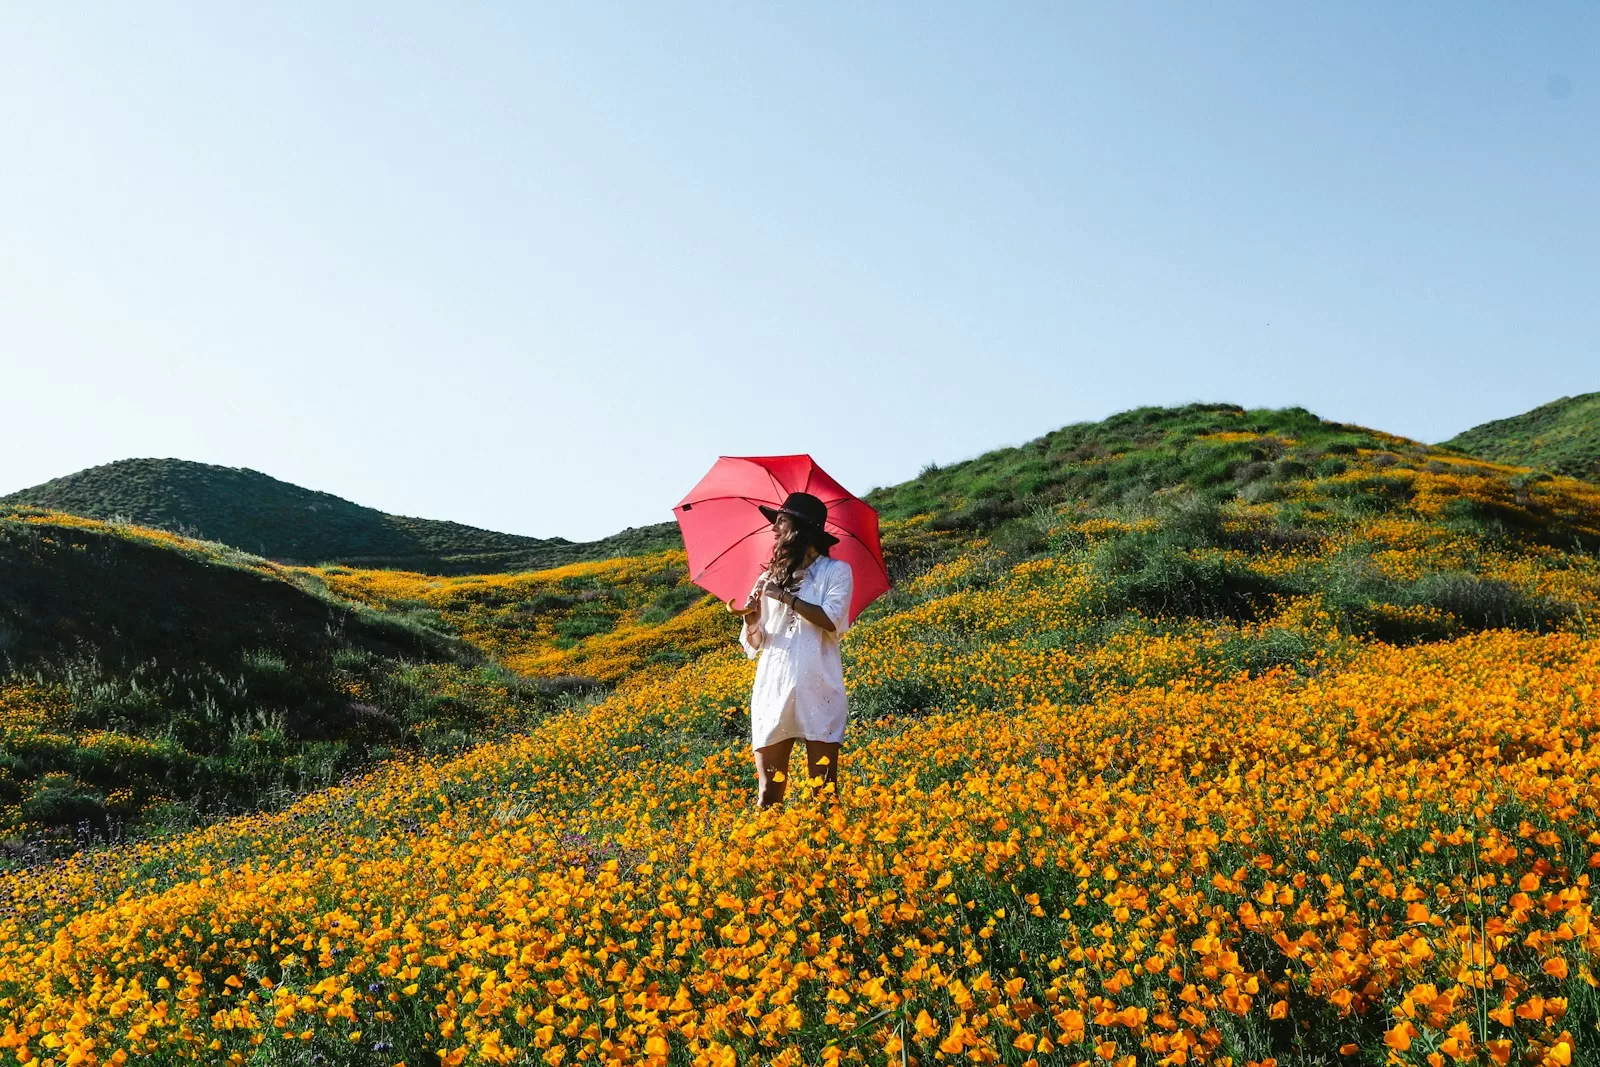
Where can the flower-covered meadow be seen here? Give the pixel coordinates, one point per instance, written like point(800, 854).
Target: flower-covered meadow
point(1300, 776)
point(600, 620)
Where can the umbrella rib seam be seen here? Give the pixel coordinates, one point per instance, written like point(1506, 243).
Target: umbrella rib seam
point(868, 547)
point(713, 561)
point(726, 496)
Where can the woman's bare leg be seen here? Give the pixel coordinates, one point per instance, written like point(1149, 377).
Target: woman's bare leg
point(822, 761)
point(772, 772)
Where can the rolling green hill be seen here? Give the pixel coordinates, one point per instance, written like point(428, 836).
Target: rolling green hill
point(1252, 721)
point(141, 674)
point(215, 679)
point(1210, 448)
point(277, 520)
point(1562, 436)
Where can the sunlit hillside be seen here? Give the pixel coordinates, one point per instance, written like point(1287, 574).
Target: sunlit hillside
point(587, 623)
point(1562, 436)
point(1195, 736)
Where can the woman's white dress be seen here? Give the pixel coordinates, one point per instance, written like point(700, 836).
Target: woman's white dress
point(799, 688)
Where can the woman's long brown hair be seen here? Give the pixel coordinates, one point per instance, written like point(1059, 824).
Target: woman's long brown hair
point(788, 549)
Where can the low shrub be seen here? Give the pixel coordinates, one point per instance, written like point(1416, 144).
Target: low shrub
point(576, 627)
point(1373, 494)
point(894, 696)
point(1487, 603)
point(60, 800)
point(670, 603)
point(1157, 575)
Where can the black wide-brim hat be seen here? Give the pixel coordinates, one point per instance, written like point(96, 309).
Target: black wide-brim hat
point(806, 509)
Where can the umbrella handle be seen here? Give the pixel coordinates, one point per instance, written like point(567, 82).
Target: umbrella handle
point(751, 605)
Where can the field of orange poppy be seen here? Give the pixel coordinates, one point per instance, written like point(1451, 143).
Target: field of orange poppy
point(1314, 785)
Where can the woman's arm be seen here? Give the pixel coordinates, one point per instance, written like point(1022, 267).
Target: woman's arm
point(808, 611)
point(751, 635)
point(754, 635)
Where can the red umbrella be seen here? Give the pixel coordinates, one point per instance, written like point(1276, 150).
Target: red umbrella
point(730, 541)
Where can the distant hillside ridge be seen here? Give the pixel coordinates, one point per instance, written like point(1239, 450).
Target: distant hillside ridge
point(281, 521)
point(1562, 436)
point(1216, 449)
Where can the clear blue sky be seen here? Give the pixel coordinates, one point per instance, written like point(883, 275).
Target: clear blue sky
point(533, 267)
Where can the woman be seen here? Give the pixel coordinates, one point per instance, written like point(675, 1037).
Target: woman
point(794, 617)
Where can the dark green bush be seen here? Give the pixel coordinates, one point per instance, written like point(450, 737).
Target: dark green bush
point(577, 627)
point(1256, 654)
point(556, 686)
point(1509, 524)
point(1363, 599)
point(1192, 521)
point(1487, 603)
point(670, 603)
point(894, 696)
point(1252, 471)
point(1373, 494)
point(1020, 539)
point(982, 514)
point(61, 801)
point(1157, 575)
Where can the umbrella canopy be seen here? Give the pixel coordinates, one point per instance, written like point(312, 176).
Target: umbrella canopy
point(729, 541)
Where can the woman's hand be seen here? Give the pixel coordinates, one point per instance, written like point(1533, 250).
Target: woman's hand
point(752, 607)
point(778, 593)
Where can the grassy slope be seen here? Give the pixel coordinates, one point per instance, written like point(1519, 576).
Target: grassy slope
point(1563, 436)
point(139, 669)
point(1214, 448)
point(585, 624)
point(146, 677)
point(237, 669)
point(1129, 774)
point(275, 519)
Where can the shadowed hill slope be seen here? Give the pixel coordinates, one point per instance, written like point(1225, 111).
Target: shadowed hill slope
point(1562, 436)
point(138, 668)
point(134, 598)
point(278, 520)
